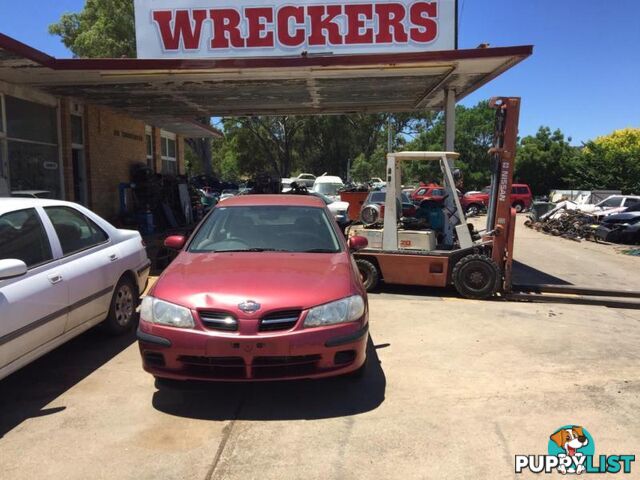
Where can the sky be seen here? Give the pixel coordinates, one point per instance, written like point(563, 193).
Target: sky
point(583, 77)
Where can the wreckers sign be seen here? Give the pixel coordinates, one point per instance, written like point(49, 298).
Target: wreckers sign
point(268, 28)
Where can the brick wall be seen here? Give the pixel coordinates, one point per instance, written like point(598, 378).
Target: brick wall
point(115, 142)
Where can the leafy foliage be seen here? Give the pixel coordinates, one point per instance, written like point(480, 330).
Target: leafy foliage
point(612, 162)
point(546, 161)
point(104, 29)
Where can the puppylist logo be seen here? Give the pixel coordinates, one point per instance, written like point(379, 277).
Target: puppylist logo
point(572, 451)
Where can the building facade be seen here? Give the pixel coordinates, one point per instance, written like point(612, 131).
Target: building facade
point(78, 151)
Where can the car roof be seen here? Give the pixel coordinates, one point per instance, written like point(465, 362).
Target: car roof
point(328, 179)
point(10, 204)
point(273, 200)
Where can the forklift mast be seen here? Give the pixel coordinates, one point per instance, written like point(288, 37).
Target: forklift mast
point(501, 217)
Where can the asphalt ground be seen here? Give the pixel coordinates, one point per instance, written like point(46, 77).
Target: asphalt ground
point(454, 389)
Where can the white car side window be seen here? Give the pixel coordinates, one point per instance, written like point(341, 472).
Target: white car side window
point(75, 231)
point(23, 237)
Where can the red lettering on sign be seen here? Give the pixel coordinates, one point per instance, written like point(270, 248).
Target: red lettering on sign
point(285, 14)
point(355, 14)
point(187, 28)
point(257, 19)
point(321, 23)
point(427, 28)
point(391, 16)
point(226, 28)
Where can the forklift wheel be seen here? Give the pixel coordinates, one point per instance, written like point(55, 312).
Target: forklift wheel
point(369, 274)
point(476, 277)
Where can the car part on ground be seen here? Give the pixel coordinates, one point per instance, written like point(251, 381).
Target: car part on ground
point(570, 224)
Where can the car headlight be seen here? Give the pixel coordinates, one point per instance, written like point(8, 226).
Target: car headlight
point(157, 311)
point(346, 310)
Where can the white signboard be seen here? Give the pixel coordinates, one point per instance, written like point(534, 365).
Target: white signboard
point(271, 28)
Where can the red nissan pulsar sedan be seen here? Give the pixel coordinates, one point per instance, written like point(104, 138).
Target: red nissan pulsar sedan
point(265, 289)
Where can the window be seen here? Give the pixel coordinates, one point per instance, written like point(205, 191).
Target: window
point(421, 192)
point(149, 144)
point(32, 146)
point(631, 202)
point(612, 202)
point(270, 228)
point(168, 153)
point(77, 130)
point(2, 121)
point(3, 143)
point(520, 190)
point(22, 237)
point(75, 231)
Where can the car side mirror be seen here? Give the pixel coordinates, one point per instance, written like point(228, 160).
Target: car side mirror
point(175, 242)
point(12, 269)
point(358, 243)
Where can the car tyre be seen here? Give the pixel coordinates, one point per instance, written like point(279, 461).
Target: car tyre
point(519, 207)
point(369, 274)
point(476, 277)
point(122, 312)
point(473, 210)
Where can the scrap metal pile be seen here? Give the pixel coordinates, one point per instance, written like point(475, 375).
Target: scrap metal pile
point(570, 224)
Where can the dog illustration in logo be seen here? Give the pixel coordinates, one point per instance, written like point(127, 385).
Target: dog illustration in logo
point(570, 440)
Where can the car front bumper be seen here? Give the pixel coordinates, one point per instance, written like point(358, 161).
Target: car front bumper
point(207, 355)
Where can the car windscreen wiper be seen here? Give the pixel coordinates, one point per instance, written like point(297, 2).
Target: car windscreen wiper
point(319, 250)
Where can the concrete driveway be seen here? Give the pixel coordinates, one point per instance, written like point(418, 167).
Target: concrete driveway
point(455, 389)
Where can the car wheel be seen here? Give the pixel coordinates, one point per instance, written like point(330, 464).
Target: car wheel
point(369, 274)
point(122, 313)
point(519, 207)
point(473, 210)
point(476, 277)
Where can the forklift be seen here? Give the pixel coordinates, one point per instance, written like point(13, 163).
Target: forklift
point(477, 264)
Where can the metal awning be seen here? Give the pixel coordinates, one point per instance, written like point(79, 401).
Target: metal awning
point(172, 90)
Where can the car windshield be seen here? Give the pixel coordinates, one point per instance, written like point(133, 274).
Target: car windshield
point(379, 197)
point(328, 188)
point(266, 228)
point(324, 198)
point(610, 202)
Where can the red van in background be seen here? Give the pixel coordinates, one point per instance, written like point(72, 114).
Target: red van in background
point(475, 202)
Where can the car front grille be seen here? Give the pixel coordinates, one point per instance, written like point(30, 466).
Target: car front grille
point(279, 321)
point(217, 367)
point(281, 367)
point(217, 320)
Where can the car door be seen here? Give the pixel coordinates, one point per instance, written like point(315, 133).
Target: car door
point(33, 308)
point(88, 263)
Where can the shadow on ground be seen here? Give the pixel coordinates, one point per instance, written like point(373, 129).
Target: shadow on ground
point(294, 400)
point(27, 392)
point(526, 275)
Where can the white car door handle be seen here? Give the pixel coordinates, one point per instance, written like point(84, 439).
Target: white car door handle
point(55, 278)
point(113, 257)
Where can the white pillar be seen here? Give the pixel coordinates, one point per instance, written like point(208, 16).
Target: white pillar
point(450, 120)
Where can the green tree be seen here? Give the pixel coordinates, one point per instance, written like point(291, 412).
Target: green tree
point(103, 29)
point(611, 162)
point(474, 137)
point(545, 161)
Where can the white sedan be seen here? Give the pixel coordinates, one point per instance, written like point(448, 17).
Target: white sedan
point(63, 269)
